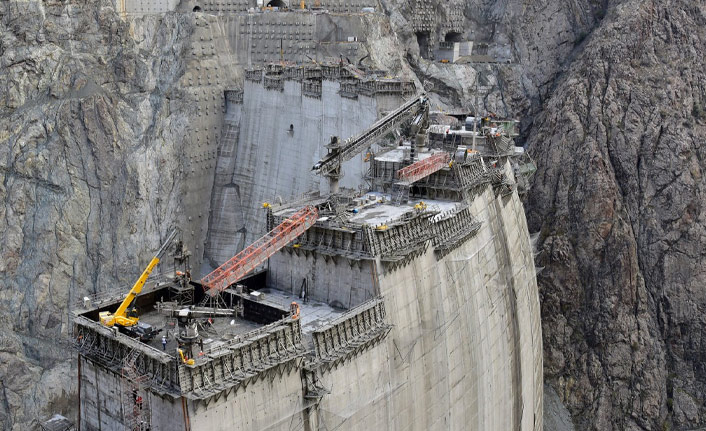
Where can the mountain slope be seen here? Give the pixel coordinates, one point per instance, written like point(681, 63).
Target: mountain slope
point(619, 200)
point(91, 132)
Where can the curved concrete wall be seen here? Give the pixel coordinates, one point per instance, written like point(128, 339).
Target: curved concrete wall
point(465, 351)
point(273, 402)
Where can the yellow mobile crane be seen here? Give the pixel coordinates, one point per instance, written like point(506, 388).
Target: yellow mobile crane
point(120, 317)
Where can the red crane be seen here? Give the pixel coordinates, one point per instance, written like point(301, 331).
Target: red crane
point(242, 263)
point(423, 168)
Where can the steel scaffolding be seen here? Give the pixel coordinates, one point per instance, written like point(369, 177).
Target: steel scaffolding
point(258, 252)
point(136, 406)
point(423, 168)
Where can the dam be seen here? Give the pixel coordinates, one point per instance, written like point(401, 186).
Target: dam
point(276, 131)
point(407, 299)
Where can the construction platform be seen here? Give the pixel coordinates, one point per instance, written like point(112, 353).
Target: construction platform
point(242, 316)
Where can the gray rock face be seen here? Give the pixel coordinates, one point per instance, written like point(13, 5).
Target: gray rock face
point(556, 416)
point(619, 200)
point(91, 128)
point(533, 40)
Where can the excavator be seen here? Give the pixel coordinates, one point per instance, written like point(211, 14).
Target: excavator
point(122, 316)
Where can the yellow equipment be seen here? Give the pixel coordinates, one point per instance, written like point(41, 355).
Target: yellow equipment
point(302, 5)
point(184, 360)
point(120, 317)
point(421, 206)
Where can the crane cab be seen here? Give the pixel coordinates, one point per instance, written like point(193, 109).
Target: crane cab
point(129, 319)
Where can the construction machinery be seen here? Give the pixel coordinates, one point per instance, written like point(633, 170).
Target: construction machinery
point(123, 316)
point(421, 206)
point(187, 325)
point(330, 166)
point(258, 252)
point(184, 359)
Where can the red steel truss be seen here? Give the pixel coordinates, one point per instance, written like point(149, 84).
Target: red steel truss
point(242, 263)
point(422, 168)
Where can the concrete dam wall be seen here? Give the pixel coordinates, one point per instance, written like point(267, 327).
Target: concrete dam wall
point(465, 348)
point(451, 340)
point(432, 323)
point(274, 136)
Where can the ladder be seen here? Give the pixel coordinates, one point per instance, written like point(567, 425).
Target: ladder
point(400, 193)
point(136, 405)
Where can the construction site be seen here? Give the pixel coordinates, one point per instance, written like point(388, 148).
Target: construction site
point(349, 258)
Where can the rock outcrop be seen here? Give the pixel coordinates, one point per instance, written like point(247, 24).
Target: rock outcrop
point(92, 126)
point(619, 200)
point(532, 41)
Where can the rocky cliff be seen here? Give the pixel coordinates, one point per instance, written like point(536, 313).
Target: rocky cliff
point(619, 200)
point(533, 41)
point(91, 129)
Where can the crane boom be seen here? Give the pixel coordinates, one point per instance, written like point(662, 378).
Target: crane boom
point(120, 316)
point(258, 252)
point(332, 162)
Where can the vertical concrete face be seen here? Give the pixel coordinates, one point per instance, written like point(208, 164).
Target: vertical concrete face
point(167, 414)
point(272, 161)
point(335, 281)
point(522, 278)
point(272, 402)
point(102, 402)
point(465, 348)
point(362, 393)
